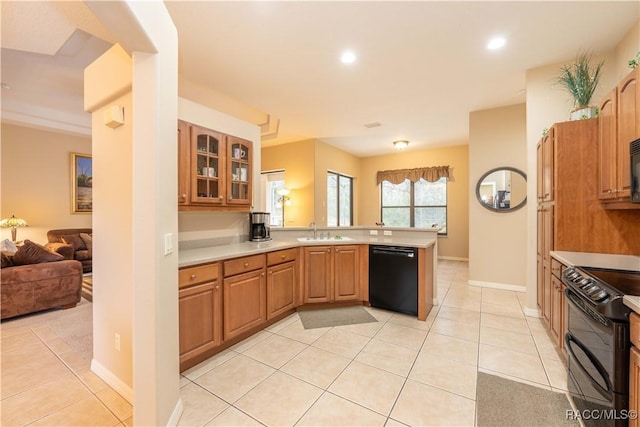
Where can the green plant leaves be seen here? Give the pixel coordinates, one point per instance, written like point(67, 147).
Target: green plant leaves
point(580, 80)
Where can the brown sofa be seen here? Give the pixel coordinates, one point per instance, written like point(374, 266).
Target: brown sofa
point(34, 287)
point(81, 247)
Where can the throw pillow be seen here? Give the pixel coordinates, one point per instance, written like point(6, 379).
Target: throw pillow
point(7, 259)
point(33, 253)
point(8, 246)
point(87, 239)
point(75, 241)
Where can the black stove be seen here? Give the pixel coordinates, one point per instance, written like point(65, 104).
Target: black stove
point(597, 342)
point(603, 289)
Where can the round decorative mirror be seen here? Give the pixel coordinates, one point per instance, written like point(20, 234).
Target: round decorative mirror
point(502, 189)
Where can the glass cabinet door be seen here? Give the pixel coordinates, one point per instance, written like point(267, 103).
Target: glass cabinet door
point(239, 152)
point(207, 166)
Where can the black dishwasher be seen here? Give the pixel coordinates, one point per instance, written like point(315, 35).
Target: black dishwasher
point(393, 278)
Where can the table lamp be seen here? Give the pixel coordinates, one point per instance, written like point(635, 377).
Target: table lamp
point(14, 223)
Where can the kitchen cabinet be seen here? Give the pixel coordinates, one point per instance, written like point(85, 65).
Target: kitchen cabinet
point(634, 368)
point(558, 314)
point(565, 188)
point(619, 122)
point(200, 312)
point(244, 295)
point(332, 273)
point(282, 281)
point(214, 170)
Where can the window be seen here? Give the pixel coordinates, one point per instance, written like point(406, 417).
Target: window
point(270, 183)
point(339, 200)
point(420, 204)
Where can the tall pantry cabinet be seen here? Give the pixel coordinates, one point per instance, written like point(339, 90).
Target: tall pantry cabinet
point(565, 154)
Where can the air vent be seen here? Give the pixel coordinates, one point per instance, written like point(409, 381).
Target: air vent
point(372, 125)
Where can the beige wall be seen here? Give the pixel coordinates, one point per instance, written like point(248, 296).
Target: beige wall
point(36, 180)
point(330, 158)
point(112, 204)
point(297, 160)
point(627, 50)
point(497, 241)
point(456, 244)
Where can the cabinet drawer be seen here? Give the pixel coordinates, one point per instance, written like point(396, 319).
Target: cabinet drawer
point(556, 268)
point(634, 321)
point(278, 257)
point(202, 273)
point(243, 265)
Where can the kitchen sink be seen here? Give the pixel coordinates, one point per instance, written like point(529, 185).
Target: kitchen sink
point(324, 239)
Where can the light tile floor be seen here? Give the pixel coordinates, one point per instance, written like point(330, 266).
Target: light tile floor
point(46, 376)
point(396, 372)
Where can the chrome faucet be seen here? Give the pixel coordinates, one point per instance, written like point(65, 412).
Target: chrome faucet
point(315, 229)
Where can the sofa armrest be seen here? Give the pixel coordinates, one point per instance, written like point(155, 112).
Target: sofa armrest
point(63, 249)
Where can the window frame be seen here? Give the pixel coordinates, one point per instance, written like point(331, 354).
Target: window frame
point(339, 175)
point(412, 207)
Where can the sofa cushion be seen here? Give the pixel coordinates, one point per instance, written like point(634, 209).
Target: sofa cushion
point(74, 240)
point(8, 246)
point(7, 259)
point(83, 255)
point(33, 253)
point(88, 241)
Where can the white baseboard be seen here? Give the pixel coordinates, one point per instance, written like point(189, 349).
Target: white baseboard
point(176, 414)
point(116, 383)
point(532, 312)
point(453, 258)
point(494, 285)
point(436, 301)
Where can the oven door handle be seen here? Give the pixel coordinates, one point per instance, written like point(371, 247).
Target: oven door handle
point(568, 338)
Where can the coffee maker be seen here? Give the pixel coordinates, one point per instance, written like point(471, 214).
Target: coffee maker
point(259, 224)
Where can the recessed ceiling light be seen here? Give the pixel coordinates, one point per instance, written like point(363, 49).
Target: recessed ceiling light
point(348, 57)
point(496, 43)
point(372, 125)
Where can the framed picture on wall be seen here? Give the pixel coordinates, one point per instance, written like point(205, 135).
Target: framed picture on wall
point(81, 183)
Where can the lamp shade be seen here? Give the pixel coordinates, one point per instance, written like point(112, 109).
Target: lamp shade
point(283, 191)
point(13, 222)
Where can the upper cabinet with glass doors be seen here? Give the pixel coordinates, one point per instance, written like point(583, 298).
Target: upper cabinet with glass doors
point(217, 174)
point(239, 154)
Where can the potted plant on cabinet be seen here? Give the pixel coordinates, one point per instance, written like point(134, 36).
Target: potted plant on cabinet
point(581, 80)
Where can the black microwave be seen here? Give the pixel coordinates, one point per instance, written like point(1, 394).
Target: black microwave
point(635, 170)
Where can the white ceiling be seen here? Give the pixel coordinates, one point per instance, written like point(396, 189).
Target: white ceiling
point(421, 68)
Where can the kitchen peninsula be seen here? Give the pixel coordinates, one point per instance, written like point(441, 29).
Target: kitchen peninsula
point(229, 292)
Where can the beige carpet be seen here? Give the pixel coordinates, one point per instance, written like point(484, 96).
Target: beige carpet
point(502, 402)
point(335, 317)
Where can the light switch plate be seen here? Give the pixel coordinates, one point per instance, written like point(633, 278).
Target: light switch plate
point(373, 232)
point(388, 233)
point(168, 243)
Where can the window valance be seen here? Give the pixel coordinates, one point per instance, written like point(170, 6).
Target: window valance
point(431, 174)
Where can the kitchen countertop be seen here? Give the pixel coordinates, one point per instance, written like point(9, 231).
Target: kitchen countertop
point(187, 257)
point(615, 262)
point(588, 259)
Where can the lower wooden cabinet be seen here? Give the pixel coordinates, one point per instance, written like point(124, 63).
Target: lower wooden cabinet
point(281, 288)
point(245, 302)
point(346, 277)
point(332, 273)
point(200, 313)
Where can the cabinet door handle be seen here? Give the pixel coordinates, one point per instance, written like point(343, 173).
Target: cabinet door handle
point(270, 272)
point(220, 197)
point(261, 274)
point(328, 250)
point(337, 250)
point(230, 198)
point(217, 287)
point(246, 264)
point(193, 276)
point(283, 256)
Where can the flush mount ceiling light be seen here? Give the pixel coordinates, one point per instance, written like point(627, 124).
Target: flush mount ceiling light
point(401, 144)
point(348, 57)
point(496, 43)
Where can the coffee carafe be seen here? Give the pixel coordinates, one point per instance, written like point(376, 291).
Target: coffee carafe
point(259, 224)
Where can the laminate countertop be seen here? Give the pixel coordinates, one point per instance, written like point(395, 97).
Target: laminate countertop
point(615, 262)
point(188, 257)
